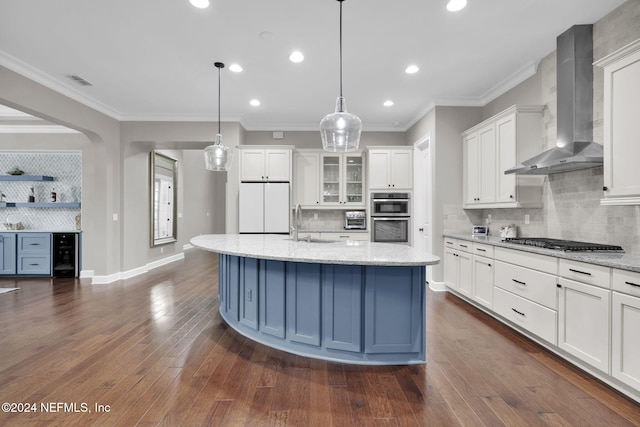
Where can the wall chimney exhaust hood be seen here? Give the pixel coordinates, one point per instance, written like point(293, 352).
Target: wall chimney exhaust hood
point(574, 148)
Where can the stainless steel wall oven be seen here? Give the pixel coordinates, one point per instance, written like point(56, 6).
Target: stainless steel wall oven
point(391, 218)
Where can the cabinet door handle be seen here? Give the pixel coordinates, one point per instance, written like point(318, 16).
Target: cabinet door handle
point(489, 265)
point(632, 284)
point(605, 188)
point(519, 282)
point(518, 312)
point(250, 295)
point(420, 229)
point(581, 272)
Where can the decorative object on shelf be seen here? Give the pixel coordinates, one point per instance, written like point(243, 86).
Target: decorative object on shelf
point(54, 196)
point(13, 222)
point(217, 157)
point(15, 171)
point(78, 222)
point(2, 196)
point(32, 195)
point(340, 131)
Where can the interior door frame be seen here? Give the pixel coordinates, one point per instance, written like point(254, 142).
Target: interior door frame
point(423, 189)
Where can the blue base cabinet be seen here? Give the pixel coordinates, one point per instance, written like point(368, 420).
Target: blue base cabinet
point(8, 253)
point(34, 254)
point(344, 313)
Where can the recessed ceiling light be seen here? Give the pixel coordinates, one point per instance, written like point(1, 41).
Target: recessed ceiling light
point(456, 5)
point(388, 103)
point(235, 68)
point(296, 56)
point(254, 102)
point(412, 69)
point(200, 4)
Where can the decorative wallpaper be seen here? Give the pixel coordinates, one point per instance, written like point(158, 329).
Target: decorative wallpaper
point(66, 169)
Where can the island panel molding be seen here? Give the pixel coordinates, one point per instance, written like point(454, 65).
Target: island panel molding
point(366, 308)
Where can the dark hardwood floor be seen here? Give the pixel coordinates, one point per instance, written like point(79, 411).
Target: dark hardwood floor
point(152, 350)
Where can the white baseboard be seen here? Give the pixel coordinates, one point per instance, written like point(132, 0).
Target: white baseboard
point(101, 280)
point(437, 286)
point(187, 246)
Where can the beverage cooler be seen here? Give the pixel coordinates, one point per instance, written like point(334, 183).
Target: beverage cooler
point(65, 255)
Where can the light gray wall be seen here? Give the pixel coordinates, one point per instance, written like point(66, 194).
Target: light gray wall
point(183, 141)
point(444, 125)
point(101, 180)
point(311, 139)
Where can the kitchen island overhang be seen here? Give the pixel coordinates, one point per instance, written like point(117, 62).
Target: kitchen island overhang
point(345, 301)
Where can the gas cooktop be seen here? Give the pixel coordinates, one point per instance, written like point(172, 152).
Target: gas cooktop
point(562, 245)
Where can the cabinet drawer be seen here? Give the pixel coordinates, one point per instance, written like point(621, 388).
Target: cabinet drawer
point(34, 264)
point(450, 243)
point(533, 317)
point(344, 236)
point(627, 282)
point(531, 284)
point(464, 245)
point(530, 260)
point(591, 274)
point(483, 249)
point(34, 243)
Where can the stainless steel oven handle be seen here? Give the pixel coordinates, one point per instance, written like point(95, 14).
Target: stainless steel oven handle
point(397, 218)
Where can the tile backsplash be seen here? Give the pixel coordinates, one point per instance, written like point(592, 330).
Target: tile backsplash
point(66, 169)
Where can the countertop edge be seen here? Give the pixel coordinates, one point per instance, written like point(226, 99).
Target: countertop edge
point(622, 261)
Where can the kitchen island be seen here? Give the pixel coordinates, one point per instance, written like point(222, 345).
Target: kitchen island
point(343, 301)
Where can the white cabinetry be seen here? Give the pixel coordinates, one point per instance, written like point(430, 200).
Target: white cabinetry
point(583, 310)
point(483, 274)
point(621, 106)
point(525, 291)
point(625, 328)
point(265, 164)
point(391, 168)
point(306, 178)
point(496, 145)
point(458, 269)
point(342, 178)
point(328, 180)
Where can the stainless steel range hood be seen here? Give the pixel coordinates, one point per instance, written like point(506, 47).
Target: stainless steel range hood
point(574, 148)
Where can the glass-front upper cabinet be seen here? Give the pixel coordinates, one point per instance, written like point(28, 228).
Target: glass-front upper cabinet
point(343, 179)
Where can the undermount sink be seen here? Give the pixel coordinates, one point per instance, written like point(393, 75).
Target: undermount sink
point(314, 240)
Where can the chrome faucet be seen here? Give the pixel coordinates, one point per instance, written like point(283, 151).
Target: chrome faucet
point(296, 216)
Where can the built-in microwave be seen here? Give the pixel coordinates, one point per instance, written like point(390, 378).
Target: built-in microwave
point(390, 204)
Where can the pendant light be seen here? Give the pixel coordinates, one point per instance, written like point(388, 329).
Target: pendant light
point(340, 131)
point(217, 157)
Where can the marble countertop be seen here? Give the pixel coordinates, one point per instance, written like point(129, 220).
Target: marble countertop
point(282, 248)
point(622, 261)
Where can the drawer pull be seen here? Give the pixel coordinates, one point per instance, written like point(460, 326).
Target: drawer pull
point(519, 282)
point(581, 272)
point(34, 244)
point(33, 265)
point(518, 312)
point(481, 250)
point(463, 246)
point(632, 284)
point(449, 243)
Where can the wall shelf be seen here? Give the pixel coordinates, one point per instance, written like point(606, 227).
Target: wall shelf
point(39, 205)
point(25, 178)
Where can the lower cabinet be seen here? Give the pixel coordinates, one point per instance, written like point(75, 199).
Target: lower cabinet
point(483, 280)
point(393, 304)
point(363, 314)
point(625, 328)
point(583, 322)
point(34, 254)
point(458, 269)
point(7, 253)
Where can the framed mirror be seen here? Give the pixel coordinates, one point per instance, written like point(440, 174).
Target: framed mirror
point(164, 196)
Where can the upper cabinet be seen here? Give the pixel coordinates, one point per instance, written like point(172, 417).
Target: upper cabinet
point(391, 168)
point(621, 106)
point(496, 145)
point(328, 180)
point(265, 164)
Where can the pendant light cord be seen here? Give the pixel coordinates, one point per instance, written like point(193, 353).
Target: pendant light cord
point(341, 47)
point(219, 95)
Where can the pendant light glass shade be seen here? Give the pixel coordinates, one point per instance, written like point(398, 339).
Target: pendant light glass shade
point(217, 157)
point(340, 131)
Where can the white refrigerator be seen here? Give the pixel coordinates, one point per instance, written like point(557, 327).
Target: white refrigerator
point(264, 207)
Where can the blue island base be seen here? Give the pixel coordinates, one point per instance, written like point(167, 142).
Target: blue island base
point(360, 314)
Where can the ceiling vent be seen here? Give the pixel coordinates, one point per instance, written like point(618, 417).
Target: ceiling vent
point(80, 80)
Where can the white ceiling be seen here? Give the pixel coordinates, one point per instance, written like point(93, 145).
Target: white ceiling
point(153, 59)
